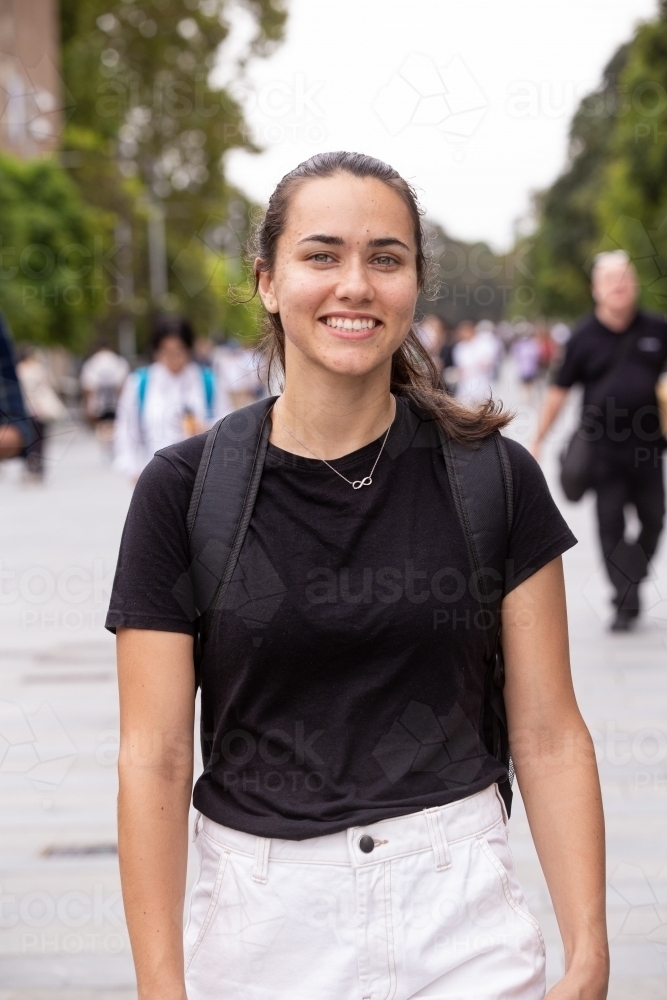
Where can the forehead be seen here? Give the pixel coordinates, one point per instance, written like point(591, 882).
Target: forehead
point(614, 270)
point(171, 341)
point(356, 208)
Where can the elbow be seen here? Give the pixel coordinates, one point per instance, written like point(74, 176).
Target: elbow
point(559, 744)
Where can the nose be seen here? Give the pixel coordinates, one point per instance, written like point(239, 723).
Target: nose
point(354, 284)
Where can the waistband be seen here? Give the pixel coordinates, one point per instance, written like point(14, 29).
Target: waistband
point(433, 829)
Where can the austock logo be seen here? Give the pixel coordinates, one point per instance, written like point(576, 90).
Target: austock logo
point(445, 98)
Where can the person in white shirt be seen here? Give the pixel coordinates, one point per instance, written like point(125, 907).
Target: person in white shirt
point(102, 377)
point(237, 375)
point(475, 355)
point(168, 401)
point(43, 405)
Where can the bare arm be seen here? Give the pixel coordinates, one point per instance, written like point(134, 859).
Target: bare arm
point(553, 404)
point(157, 692)
point(11, 441)
point(557, 773)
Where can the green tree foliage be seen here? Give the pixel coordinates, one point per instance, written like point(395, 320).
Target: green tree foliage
point(613, 193)
point(568, 227)
point(632, 204)
point(472, 281)
point(147, 132)
point(51, 254)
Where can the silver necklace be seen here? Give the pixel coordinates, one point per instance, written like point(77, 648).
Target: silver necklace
point(357, 483)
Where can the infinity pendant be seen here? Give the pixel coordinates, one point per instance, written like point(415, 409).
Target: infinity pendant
point(358, 483)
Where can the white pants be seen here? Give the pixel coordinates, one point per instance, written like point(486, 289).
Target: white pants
point(433, 910)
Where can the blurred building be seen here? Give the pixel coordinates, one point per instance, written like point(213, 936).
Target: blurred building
point(31, 103)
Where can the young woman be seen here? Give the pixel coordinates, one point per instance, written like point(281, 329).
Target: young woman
point(352, 838)
point(170, 400)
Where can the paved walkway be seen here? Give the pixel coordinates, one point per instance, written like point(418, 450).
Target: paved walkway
point(62, 935)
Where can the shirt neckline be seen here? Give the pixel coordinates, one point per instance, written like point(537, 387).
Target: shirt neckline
point(345, 461)
point(619, 333)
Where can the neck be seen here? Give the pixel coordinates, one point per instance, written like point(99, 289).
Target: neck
point(617, 320)
point(332, 415)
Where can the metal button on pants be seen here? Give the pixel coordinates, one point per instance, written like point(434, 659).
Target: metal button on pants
point(433, 909)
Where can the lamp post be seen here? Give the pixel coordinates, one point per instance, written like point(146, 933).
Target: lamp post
point(157, 253)
point(127, 335)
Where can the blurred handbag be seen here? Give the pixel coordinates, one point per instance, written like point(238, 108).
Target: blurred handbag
point(577, 458)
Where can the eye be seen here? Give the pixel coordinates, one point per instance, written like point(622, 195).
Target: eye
point(385, 260)
point(321, 257)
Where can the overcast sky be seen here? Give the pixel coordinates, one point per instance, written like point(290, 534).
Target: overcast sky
point(469, 99)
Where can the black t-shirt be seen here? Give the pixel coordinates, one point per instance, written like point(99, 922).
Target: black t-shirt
point(630, 416)
point(343, 681)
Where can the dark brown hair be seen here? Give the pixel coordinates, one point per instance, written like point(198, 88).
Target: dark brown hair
point(164, 326)
point(413, 373)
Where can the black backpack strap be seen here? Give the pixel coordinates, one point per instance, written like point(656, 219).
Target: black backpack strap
point(221, 505)
point(480, 478)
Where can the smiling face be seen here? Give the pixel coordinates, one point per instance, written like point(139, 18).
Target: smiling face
point(345, 277)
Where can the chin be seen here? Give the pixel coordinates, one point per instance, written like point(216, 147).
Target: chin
point(348, 369)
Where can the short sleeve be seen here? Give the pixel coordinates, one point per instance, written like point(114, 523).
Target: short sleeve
point(539, 530)
point(570, 371)
point(154, 547)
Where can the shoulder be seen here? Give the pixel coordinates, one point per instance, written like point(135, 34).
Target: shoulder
point(583, 332)
point(135, 377)
point(162, 495)
point(180, 459)
point(655, 323)
point(531, 490)
point(582, 344)
point(539, 531)
point(525, 469)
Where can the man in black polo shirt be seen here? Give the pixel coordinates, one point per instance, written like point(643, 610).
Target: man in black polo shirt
point(629, 443)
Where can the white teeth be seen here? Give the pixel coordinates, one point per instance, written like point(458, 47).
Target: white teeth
point(348, 324)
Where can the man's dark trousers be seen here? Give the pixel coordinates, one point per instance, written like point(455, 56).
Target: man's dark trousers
point(637, 481)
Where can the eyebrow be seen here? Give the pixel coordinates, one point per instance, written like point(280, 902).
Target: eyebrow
point(338, 241)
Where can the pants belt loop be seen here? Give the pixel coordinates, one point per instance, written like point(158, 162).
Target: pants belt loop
point(261, 859)
point(439, 843)
point(197, 826)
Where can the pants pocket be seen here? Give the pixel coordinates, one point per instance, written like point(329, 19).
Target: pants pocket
point(204, 900)
point(504, 877)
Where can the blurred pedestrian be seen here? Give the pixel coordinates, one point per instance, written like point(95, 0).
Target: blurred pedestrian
point(166, 402)
point(548, 348)
point(203, 351)
point(432, 335)
point(617, 354)
point(237, 372)
point(485, 332)
point(527, 354)
point(102, 377)
point(16, 430)
point(44, 408)
point(475, 356)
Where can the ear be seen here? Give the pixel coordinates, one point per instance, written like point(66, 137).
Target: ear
point(266, 290)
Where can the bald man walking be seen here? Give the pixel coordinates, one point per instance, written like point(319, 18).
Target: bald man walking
point(625, 349)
